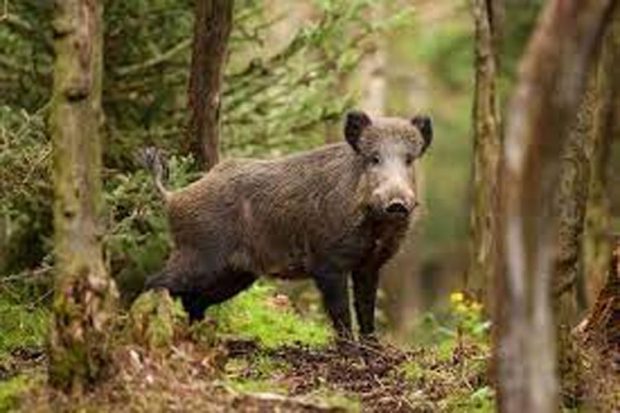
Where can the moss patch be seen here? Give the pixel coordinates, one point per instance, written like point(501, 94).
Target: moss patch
point(260, 314)
point(21, 326)
point(11, 391)
point(155, 320)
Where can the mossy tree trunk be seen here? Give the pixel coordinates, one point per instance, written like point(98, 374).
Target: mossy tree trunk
point(551, 82)
point(486, 153)
point(212, 27)
point(84, 293)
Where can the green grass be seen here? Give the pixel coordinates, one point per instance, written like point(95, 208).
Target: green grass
point(348, 402)
point(255, 386)
point(21, 326)
point(250, 316)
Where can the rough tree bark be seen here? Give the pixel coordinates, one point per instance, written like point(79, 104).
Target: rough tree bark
point(551, 82)
point(212, 27)
point(84, 293)
point(600, 330)
point(597, 245)
point(486, 153)
point(572, 194)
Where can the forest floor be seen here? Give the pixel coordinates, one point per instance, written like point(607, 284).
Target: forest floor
point(242, 376)
point(262, 357)
point(259, 354)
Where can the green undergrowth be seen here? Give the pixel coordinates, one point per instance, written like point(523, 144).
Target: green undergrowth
point(459, 343)
point(22, 326)
point(257, 315)
point(12, 390)
point(458, 388)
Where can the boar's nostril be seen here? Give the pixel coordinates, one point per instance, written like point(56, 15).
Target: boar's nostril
point(397, 207)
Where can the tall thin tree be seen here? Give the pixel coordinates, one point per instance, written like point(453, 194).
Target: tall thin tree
point(487, 150)
point(552, 79)
point(212, 27)
point(597, 243)
point(84, 293)
point(572, 195)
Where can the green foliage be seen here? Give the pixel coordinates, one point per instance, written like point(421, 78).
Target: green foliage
point(468, 317)
point(463, 319)
point(272, 96)
point(25, 204)
point(449, 52)
point(276, 99)
point(278, 102)
point(253, 315)
point(137, 241)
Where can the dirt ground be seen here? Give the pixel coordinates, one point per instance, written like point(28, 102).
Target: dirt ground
point(294, 378)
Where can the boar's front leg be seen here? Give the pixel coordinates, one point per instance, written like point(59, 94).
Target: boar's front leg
point(365, 282)
point(333, 287)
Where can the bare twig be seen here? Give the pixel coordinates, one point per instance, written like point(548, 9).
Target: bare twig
point(5, 11)
point(154, 61)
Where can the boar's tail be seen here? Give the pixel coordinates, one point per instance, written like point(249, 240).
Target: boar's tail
point(154, 161)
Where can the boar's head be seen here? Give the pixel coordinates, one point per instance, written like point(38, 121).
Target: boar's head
point(387, 148)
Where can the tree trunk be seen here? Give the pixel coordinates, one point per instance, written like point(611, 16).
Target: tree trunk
point(599, 337)
point(597, 244)
point(602, 326)
point(551, 82)
point(84, 293)
point(487, 147)
point(212, 27)
point(571, 209)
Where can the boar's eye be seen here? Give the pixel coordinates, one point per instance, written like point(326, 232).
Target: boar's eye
point(409, 159)
point(375, 159)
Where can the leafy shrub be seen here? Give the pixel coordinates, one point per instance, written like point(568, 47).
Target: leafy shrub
point(137, 241)
point(25, 185)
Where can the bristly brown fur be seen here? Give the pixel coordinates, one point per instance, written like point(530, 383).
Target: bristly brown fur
point(307, 214)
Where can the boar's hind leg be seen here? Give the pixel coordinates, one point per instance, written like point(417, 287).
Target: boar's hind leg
point(333, 287)
point(365, 295)
point(214, 289)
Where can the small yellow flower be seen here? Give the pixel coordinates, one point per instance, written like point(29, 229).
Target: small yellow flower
point(456, 298)
point(477, 307)
point(461, 308)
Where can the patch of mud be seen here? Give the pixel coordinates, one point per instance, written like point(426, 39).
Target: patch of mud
point(375, 376)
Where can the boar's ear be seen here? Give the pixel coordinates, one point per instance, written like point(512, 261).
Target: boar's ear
point(354, 124)
point(425, 126)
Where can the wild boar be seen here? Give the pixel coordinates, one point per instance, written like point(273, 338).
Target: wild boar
point(327, 213)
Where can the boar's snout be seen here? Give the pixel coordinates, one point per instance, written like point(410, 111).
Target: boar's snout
point(397, 207)
point(400, 207)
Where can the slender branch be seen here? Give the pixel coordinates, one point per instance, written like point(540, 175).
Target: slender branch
point(5, 11)
point(170, 54)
